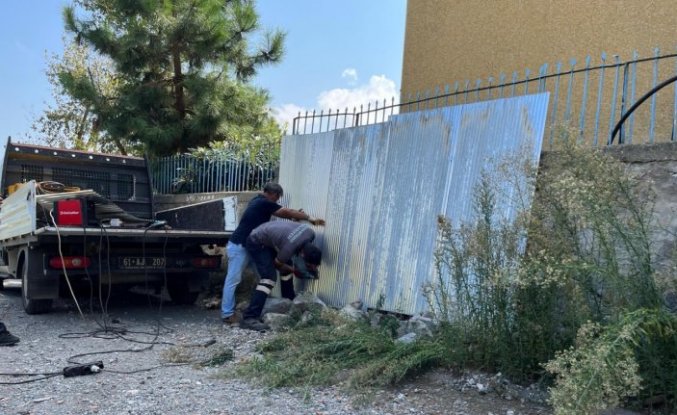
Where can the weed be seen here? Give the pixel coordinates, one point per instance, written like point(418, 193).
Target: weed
point(604, 367)
point(340, 351)
point(509, 306)
point(218, 358)
point(177, 354)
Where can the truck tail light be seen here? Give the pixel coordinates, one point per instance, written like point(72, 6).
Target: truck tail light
point(206, 262)
point(69, 262)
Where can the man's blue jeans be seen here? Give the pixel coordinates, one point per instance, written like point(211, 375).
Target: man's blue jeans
point(238, 259)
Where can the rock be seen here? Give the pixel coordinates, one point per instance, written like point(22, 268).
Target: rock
point(211, 303)
point(385, 321)
point(407, 338)
point(277, 321)
point(307, 318)
point(307, 301)
point(352, 313)
point(277, 305)
point(422, 326)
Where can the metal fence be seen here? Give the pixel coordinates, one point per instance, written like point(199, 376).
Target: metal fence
point(186, 173)
point(586, 101)
point(381, 188)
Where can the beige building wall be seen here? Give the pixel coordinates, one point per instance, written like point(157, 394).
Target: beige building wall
point(458, 40)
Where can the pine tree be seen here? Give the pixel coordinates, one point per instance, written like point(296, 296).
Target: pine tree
point(182, 68)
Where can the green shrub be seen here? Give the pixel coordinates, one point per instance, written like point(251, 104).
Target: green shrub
point(511, 307)
point(609, 363)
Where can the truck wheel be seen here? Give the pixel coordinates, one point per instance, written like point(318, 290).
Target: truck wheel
point(3, 269)
point(179, 290)
point(32, 306)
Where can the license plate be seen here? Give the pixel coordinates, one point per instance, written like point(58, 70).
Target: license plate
point(141, 262)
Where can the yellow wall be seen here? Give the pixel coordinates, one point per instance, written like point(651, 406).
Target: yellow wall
point(448, 41)
point(458, 40)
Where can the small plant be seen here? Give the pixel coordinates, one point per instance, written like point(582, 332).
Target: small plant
point(604, 368)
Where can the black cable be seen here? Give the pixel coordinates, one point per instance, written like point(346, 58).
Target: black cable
point(106, 331)
point(47, 376)
point(107, 334)
point(634, 106)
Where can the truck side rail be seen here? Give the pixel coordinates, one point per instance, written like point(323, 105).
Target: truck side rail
point(18, 212)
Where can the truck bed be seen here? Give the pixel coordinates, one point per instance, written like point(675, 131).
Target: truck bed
point(205, 237)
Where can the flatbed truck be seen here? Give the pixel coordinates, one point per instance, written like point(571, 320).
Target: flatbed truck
point(70, 218)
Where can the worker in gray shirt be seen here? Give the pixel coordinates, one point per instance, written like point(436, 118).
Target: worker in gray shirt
point(271, 247)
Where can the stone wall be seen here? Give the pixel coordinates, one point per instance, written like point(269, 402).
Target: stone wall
point(655, 165)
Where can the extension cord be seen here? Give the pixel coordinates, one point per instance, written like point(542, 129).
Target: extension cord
point(83, 369)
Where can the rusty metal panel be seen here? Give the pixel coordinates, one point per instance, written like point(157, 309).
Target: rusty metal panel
point(381, 188)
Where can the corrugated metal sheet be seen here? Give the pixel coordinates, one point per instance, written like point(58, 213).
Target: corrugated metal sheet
point(381, 188)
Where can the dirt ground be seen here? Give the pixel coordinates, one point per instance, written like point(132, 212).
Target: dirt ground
point(437, 392)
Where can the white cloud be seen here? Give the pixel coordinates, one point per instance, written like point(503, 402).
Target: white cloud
point(378, 89)
point(285, 115)
point(350, 74)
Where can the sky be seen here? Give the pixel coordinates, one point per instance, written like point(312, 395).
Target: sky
point(338, 54)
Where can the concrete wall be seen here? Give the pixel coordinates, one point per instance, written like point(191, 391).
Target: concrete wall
point(655, 166)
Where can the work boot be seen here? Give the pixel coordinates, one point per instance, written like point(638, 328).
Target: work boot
point(7, 339)
point(231, 320)
point(253, 324)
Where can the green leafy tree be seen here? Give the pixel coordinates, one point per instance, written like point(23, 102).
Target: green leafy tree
point(182, 68)
point(70, 122)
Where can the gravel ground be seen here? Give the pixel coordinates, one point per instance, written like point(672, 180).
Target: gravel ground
point(144, 382)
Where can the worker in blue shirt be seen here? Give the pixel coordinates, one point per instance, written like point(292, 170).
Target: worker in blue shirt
point(258, 211)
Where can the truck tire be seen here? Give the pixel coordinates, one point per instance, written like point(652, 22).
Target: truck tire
point(3, 269)
point(32, 306)
point(179, 290)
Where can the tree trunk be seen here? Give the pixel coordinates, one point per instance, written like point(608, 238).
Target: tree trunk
point(79, 145)
point(179, 99)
